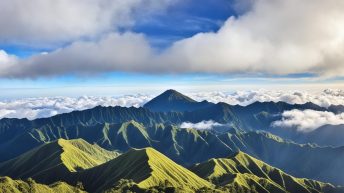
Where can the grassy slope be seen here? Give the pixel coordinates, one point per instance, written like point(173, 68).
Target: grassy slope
point(56, 160)
point(247, 171)
point(310, 161)
point(8, 185)
point(146, 167)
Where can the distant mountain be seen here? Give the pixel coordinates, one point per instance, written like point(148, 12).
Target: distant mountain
point(327, 135)
point(177, 143)
point(49, 162)
point(172, 100)
point(146, 168)
point(252, 174)
point(8, 185)
point(257, 116)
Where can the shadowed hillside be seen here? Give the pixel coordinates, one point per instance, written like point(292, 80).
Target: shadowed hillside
point(251, 173)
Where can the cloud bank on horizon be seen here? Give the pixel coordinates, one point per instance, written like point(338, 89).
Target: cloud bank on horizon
point(308, 120)
point(269, 37)
point(33, 108)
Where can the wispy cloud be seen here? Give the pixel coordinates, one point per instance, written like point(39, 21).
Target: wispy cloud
point(308, 120)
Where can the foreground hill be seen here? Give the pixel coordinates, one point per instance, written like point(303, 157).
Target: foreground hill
point(147, 168)
point(252, 174)
point(307, 160)
point(53, 161)
point(8, 185)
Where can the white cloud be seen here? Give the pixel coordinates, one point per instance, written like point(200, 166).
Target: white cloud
point(55, 21)
point(33, 108)
point(325, 98)
point(273, 37)
point(203, 125)
point(308, 120)
point(48, 106)
point(126, 52)
point(6, 62)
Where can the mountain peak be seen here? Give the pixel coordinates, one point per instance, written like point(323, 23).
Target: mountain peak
point(172, 100)
point(173, 95)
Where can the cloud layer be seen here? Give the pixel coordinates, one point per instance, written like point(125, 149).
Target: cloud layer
point(325, 98)
point(203, 125)
point(308, 120)
point(272, 37)
point(50, 21)
point(32, 108)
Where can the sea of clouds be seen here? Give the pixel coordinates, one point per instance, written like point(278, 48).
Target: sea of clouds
point(33, 108)
point(308, 120)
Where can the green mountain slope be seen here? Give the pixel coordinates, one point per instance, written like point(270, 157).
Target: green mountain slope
point(244, 170)
point(145, 167)
point(176, 143)
point(189, 146)
point(8, 185)
point(53, 161)
point(308, 161)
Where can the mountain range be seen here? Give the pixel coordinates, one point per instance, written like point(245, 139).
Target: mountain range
point(144, 149)
point(145, 169)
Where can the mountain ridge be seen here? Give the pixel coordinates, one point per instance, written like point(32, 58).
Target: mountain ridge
point(234, 168)
point(61, 157)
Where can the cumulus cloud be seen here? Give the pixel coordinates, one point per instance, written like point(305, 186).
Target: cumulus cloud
point(308, 120)
point(33, 108)
point(272, 37)
point(203, 125)
point(51, 21)
point(6, 62)
point(126, 52)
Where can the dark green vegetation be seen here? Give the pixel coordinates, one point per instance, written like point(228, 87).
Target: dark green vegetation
point(8, 185)
point(37, 148)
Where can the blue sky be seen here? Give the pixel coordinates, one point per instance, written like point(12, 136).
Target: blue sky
point(172, 33)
